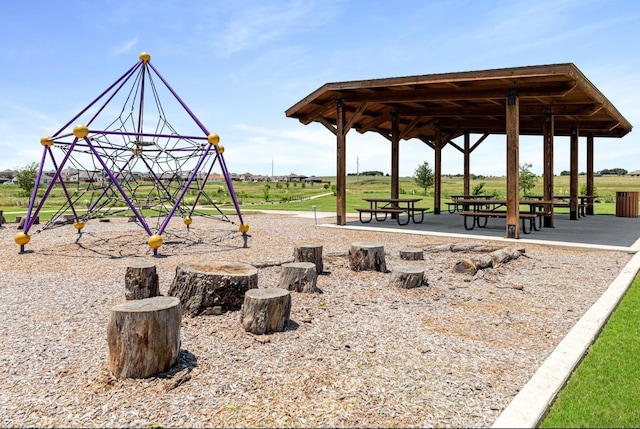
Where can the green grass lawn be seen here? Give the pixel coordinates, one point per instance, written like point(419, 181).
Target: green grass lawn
point(296, 196)
point(603, 391)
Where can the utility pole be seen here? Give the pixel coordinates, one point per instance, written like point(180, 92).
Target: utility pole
point(357, 168)
point(272, 168)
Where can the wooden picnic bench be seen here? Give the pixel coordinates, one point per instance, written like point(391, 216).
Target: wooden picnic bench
point(525, 217)
point(393, 206)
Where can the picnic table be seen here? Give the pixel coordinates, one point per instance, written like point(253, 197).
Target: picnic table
point(481, 210)
point(585, 205)
point(393, 206)
point(455, 206)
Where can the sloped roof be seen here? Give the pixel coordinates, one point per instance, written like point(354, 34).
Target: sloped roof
point(472, 101)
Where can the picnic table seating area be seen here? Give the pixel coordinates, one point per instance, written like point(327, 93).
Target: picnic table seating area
point(479, 211)
point(380, 208)
point(563, 201)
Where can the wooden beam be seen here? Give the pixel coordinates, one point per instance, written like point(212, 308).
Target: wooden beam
point(513, 166)
point(355, 116)
point(476, 144)
point(573, 178)
point(328, 125)
point(554, 89)
point(341, 165)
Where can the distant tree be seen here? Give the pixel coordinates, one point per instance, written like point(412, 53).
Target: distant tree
point(567, 173)
point(478, 189)
point(423, 176)
point(265, 192)
point(27, 177)
point(527, 179)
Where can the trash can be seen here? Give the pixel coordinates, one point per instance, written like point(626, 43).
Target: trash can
point(627, 204)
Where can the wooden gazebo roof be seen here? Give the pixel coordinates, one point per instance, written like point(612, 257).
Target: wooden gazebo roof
point(471, 102)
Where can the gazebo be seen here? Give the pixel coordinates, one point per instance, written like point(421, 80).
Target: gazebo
point(546, 100)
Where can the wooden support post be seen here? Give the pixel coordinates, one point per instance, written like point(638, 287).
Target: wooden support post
point(141, 281)
point(590, 173)
point(466, 188)
point(265, 310)
point(395, 159)
point(341, 166)
point(144, 337)
point(548, 131)
point(437, 170)
point(367, 257)
point(407, 278)
point(212, 288)
point(513, 166)
point(573, 178)
point(309, 253)
point(299, 277)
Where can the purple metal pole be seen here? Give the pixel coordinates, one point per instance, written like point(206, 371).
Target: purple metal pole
point(227, 178)
point(127, 73)
point(184, 190)
point(29, 221)
point(204, 182)
point(115, 182)
point(104, 191)
point(34, 193)
point(64, 189)
point(204, 129)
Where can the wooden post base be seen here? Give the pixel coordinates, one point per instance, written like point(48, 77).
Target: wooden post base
point(299, 277)
point(407, 278)
point(309, 253)
point(144, 337)
point(141, 281)
point(203, 287)
point(367, 257)
point(265, 310)
point(411, 254)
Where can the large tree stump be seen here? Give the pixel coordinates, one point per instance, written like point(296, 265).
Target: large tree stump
point(407, 278)
point(265, 310)
point(212, 288)
point(367, 257)
point(309, 253)
point(299, 277)
point(144, 337)
point(411, 254)
point(141, 281)
point(493, 259)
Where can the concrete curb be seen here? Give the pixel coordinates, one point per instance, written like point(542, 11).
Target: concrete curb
point(531, 404)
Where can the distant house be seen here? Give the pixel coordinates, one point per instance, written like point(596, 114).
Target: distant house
point(634, 173)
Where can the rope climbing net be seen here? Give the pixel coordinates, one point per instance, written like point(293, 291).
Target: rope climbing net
point(135, 165)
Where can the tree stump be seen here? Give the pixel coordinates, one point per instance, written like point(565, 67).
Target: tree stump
point(411, 254)
point(299, 277)
point(265, 310)
point(21, 221)
point(144, 337)
point(141, 281)
point(309, 253)
point(203, 288)
point(367, 257)
point(407, 278)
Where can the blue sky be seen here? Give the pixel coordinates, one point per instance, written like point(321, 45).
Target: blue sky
point(239, 65)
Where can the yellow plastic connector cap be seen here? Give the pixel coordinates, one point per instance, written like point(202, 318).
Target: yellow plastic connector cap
point(220, 148)
point(187, 221)
point(144, 56)
point(243, 228)
point(21, 238)
point(213, 139)
point(80, 131)
point(46, 141)
point(78, 225)
point(155, 241)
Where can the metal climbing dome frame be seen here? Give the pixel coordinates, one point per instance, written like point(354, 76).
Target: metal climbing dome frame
point(106, 152)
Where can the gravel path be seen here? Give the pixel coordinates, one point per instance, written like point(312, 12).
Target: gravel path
point(359, 354)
